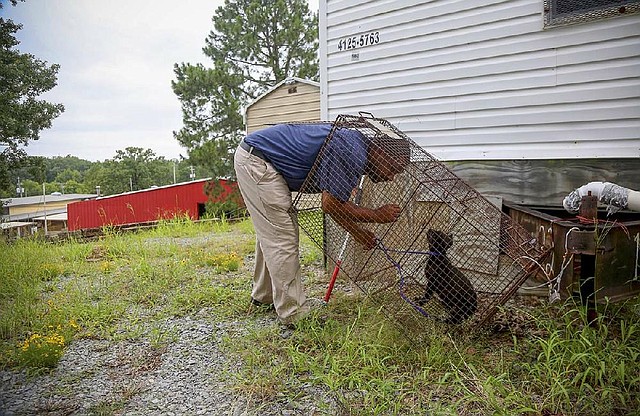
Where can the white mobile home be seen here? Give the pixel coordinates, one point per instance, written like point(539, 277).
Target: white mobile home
point(524, 99)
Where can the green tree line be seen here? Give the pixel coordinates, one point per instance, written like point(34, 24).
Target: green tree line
point(130, 169)
point(253, 45)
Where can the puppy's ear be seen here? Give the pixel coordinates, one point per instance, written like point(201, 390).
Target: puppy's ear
point(447, 241)
point(433, 238)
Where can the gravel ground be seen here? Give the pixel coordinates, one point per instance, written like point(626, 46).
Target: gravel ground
point(190, 376)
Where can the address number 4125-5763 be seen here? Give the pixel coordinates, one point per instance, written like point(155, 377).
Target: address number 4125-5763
point(358, 41)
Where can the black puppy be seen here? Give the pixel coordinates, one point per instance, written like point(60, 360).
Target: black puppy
point(453, 288)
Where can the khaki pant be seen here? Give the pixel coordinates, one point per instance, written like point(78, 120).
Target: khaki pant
point(276, 277)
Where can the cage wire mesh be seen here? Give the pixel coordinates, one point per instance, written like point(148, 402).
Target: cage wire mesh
point(452, 257)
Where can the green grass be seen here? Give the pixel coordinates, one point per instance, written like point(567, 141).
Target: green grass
point(46, 288)
point(548, 361)
point(560, 366)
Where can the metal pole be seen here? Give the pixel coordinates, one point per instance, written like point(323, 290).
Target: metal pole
point(44, 205)
point(19, 189)
point(174, 171)
point(336, 269)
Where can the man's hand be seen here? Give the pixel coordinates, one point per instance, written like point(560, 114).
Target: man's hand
point(387, 213)
point(365, 237)
point(348, 215)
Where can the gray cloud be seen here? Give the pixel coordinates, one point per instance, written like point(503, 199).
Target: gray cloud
point(116, 63)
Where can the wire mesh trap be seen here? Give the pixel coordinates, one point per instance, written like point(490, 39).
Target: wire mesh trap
point(451, 257)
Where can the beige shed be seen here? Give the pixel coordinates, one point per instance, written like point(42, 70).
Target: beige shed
point(293, 99)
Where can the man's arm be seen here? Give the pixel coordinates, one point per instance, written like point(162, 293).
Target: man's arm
point(348, 215)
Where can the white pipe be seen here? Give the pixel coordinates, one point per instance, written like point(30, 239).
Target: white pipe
point(614, 196)
point(633, 200)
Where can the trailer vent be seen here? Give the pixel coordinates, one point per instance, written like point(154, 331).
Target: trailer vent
point(566, 12)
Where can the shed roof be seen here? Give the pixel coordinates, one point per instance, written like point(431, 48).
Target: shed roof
point(62, 216)
point(31, 215)
point(290, 80)
point(39, 199)
point(155, 188)
point(14, 224)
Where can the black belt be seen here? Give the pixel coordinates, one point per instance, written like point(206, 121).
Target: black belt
point(253, 151)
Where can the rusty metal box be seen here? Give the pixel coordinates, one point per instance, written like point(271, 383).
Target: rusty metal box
point(596, 256)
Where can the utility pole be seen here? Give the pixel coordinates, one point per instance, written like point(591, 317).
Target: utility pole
point(192, 175)
point(174, 170)
point(44, 206)
point(19, 189)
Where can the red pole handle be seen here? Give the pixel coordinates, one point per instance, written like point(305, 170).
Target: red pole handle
point(332, 282)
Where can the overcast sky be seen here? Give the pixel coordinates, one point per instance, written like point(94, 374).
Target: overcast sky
point(116, 65)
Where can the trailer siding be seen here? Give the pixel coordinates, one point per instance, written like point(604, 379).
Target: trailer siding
point(484, 80)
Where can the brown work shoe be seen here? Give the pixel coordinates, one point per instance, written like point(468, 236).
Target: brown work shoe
point(261, 305)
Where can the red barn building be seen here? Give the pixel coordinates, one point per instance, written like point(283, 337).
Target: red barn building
point(147, 205)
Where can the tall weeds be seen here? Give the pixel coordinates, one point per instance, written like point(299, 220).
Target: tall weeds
point(549, 361)
point(587, 367)
point(558, 366)
point(51, 293)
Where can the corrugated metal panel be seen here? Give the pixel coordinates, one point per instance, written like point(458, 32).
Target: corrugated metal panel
point(141, 206)
point(483, 79)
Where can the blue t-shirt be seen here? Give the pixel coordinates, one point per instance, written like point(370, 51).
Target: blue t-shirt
point(292, 149)
point(342, 163)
